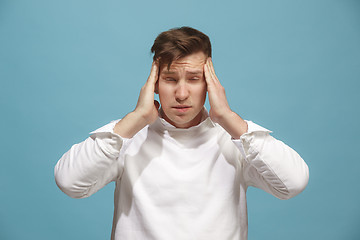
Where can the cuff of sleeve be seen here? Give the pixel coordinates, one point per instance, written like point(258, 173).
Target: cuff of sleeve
point(246, 138)
point(107, 132)
point(253, 127)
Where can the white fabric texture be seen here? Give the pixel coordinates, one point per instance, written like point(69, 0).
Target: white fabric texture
point(181, 184)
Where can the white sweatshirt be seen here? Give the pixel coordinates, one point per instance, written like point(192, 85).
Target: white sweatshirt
point(181, 183)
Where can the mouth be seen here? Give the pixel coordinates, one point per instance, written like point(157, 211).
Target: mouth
point(182, 108)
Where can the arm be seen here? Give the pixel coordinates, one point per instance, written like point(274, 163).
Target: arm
point(269, 164)
point(90, 165)
point(93, 163)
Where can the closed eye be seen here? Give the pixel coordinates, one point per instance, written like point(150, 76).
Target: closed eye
point(170, 79)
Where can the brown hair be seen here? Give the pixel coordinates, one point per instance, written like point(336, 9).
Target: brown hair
point(179, 42)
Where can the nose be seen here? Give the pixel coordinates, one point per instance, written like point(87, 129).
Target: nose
point(181, 92)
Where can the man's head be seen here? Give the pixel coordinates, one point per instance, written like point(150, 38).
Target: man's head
point(177, 43)
point(181, 54)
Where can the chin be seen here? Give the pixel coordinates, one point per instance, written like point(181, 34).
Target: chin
point(186, 122)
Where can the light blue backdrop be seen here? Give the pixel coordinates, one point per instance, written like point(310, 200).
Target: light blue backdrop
point(68, 67)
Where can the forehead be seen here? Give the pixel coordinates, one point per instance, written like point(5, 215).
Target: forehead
point(191, 62)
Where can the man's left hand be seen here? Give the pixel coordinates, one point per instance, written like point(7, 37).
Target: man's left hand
point(220, 111)
point(217, 98)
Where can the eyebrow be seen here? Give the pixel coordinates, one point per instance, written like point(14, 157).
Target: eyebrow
point(188, 72)
point(195, 72)
point(168, 72)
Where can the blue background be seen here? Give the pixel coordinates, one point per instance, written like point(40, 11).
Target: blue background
point(68, 67)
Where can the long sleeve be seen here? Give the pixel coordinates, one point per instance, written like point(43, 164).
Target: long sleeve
point(270, 164)
point(90, 165)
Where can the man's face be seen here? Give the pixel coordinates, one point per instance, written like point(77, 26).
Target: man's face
point(182, 90)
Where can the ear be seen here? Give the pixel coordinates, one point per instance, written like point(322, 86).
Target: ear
point(157, 87)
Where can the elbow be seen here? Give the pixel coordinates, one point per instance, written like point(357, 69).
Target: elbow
point(69, 187)
point(296, 184)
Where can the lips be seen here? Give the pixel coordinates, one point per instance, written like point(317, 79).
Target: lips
point(182, 108)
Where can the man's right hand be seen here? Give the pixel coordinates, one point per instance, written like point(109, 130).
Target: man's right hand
point(146, 110)
point(146, 106)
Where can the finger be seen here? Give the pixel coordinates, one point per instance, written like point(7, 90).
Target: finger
point(212, 70)
point(153, 77)
point(211, 76)
point(212, 66)
point(208, 77)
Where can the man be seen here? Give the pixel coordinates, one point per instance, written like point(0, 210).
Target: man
point(180, 172)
